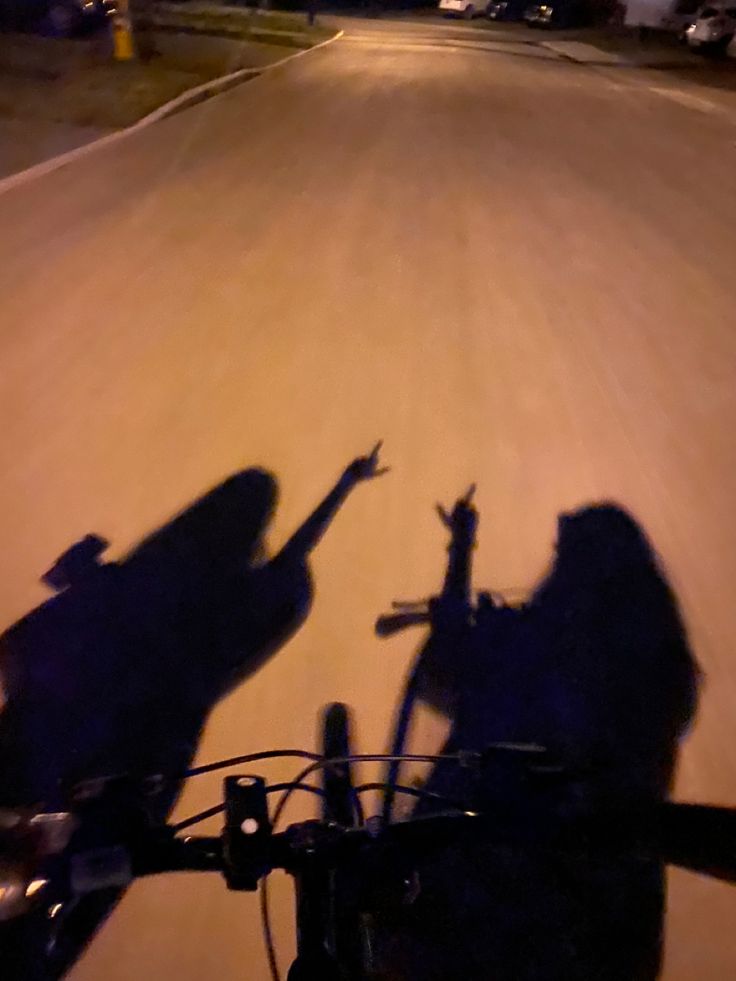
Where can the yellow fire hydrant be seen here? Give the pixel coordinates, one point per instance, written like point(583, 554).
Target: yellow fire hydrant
point(122, 32)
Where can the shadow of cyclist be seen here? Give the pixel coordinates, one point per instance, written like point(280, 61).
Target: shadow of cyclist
point(597, 666)
point(119, 672)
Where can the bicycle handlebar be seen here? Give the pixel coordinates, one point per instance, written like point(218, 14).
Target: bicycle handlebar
point(697, 837)
point(392, 623)
point(378, 857)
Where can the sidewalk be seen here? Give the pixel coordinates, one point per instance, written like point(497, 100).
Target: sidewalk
point(615, 47)
point(56, 96)
point(670, 70)
point(580, 51)
point(24, 142)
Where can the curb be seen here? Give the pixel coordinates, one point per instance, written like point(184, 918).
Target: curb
point(185, 100)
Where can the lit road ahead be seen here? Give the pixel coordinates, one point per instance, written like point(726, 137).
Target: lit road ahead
point(515, 269)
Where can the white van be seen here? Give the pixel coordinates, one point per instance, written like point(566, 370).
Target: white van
point(463, 8)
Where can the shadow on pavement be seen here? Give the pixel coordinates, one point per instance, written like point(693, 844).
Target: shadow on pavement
point(119, 672)
point(598, 669)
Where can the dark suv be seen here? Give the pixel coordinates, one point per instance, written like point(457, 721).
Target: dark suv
point(506, 9)
point(558, 13)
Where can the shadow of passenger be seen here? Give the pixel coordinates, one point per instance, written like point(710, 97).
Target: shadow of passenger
point(118, 673)
point(596, 667)
point(618, 638)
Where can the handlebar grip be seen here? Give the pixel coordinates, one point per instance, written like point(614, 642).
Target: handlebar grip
point(394, 622)
point(699, 837)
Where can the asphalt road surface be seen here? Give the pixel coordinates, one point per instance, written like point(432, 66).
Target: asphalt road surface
point(515, 269)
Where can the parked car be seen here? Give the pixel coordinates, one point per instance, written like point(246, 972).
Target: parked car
point(462, 8)
point(713, 29)
point(506, 9)
point(56, 18)
point(558, 14)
